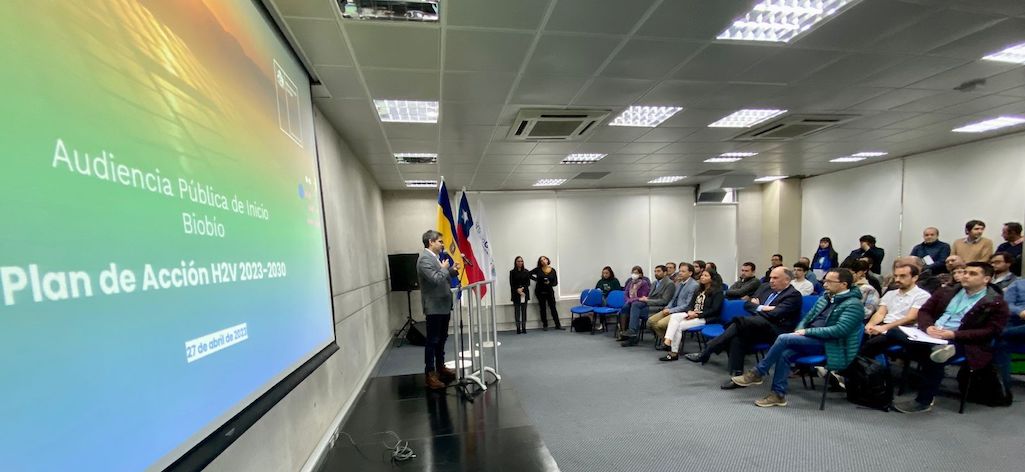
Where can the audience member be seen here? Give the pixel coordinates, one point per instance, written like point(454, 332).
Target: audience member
point(544, 290)
point(1014, 333)
point(519, 287)
point(898, 307)
point(974, 247)
point(671, 270)
point(831, 327)
point(775, 310)
point(825, 258)
point(608, 282)
point(926, 280)
point(1002, 275)
point(699, 267)
point(932, 251)
point(775, 261)
point(704, 307)
point(874, 279)
point(869, 294)
point(802, 284)
point(809, 274)
point(636, 288)
point(953, 264)
point(655, 301)
point(710, 266)
point(868, 249)
point(746, 285)
point(969, 318)
point(1012, 243)
point(685, 288)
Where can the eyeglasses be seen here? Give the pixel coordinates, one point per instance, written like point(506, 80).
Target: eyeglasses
point(830, 281)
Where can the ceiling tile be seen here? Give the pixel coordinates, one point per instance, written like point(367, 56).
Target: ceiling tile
point(342, 82)
point(542, 159)
point(724, 61)
point(413, 145)
point(467, 113)
point(973, 70)
point(463, 147)
point(847, 30)
point(737, 96)
point(402, 84)
point(980, 104)
point(305, 8)
point(646, 147)
point(354, 118)
point(494, 51)
point(613, 92)
point(554, 148)
point(501, 148)
point(648, 58)
point(658, 135)
point(678, 92)
point(936, 29)
point(389, 45)
point(693, 19)
point(480, 87)
point(853, 68)
point(417, 131)
point(617, 134)
point(596, 16)
point(938, 101)
point(987, 41)
point(476, 133)
point(788, 65)
point(320, 41)
point(521, 14)
point(911, 70)
point(548, 90)
point(570, 54)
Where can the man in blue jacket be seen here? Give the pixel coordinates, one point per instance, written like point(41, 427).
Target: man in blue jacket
point(932, 251)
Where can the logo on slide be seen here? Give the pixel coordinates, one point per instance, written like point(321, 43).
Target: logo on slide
point(288, 105)
point(308, 192)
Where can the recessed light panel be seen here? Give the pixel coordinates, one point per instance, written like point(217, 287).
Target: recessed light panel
point(738, 154)
point(582, 158)
point(667, 179)
point(723, 159)
point(847, 159)
point(549, 182)
point(416, 157)
point(770, 178)
point(746, 118)
point(421, 183)
point(647, 117)
point(782, 20)
point(407, 111)
point(869, 154)
point(1014, 54)
point(990, 125)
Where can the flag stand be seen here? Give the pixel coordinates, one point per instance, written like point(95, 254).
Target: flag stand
point(481, 331)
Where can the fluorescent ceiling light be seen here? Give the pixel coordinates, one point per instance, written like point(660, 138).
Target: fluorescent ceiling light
point(782, 20)
point(416, 157)
point(1014, 54)
point(582, 158)
point(421, 183)
point(407, 111)
point(746, 118)
point(648, 117)
point(667, 179)
point(990, 125)
point(770, 178)
point(869, 154)
point(847, 159)
point(549, 182)
point(723, 159)
point(738, 154)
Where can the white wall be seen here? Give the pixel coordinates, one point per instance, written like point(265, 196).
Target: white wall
point(290, 432)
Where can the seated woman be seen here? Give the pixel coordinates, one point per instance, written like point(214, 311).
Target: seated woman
point(607, 283)
point(637, 287)
point(704, 308)
point(869, 294)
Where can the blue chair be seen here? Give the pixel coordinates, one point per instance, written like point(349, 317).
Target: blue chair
point(730, 309)
point(613, 303)
point(806, 363)
point(954, 361)
point(817, 289)
point(589, 300)
point(807, 303)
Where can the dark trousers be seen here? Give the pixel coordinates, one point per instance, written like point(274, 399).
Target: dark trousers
point(740, 337)
point(547, 300)
point(437, 335)
point(520, 315)
point(877, 344)
point(932, 373)
point(1002, 357)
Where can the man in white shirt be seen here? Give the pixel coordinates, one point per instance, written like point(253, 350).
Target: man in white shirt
point(802, 284)
point(897, 308)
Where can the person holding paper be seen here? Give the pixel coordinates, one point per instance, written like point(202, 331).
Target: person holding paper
point(965, 319)
point(897, 308)
point(932, 251)
point(519, 288)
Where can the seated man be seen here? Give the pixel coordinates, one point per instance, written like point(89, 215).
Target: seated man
point(746, 285)
point(931, 250)
point(1013, 242)
point(831, 327)
point(775, 309)
point(969, 318)
point(803, 285)
point(1014, 333)
point(774, 262)
point(898, 307)
point(1002, 275)
point(659, 297)
point(671, 270)
point(685, 288)
point(809, 274)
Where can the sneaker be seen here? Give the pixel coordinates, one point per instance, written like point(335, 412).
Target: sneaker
point(772, 399)
point(695, 357)
point(729, 385)
point(911, 406)
point(942, 354)
point(749, 378)
point(630, 342)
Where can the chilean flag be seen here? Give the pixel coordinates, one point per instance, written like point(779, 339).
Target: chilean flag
point(464, 228)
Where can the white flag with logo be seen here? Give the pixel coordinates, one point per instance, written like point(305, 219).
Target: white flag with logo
point(481, 242)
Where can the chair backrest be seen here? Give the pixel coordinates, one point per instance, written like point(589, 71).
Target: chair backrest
point(818, 289)
point(583, 295)
point(807, 302)
point(732, 309)
point(616, 299)
point(592, 297)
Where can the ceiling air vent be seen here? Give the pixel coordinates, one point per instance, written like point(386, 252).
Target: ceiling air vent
point(591, 175)
point(793, 126)
point(555, 125)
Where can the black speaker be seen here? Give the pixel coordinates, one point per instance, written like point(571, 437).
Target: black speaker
point(403, 272)
point(415, 337)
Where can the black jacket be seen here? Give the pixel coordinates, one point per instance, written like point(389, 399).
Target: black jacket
point(876, 254)
point(519, 279)
point(712, 308)
point(787, 313)
point(545, 282)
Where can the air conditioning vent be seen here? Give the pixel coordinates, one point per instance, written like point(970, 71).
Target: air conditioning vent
point(591, 175)
point(555, 125)
point(793, 126)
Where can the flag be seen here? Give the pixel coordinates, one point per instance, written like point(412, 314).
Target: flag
point(464, 229)
point(482, 243)
point(447, 228)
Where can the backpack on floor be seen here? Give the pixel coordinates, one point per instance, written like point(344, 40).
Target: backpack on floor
point(869, 384)
point(987, 387)
point(582, 324)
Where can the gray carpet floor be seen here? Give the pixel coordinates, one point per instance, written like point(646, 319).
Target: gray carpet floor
point(602, 407)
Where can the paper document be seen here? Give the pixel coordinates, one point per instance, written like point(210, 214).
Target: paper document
point(916, 334)
point(928, 260)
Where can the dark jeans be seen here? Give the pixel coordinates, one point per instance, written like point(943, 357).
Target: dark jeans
point(740, 337)
point(932, 373)
point(520, 314)
point(437, 335)
point(782, 353)
point(547, 300)
point(877, 344)
point(638, 313)
point(1002, 356)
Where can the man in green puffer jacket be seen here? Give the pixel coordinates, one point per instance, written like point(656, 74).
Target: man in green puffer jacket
point(833, 326)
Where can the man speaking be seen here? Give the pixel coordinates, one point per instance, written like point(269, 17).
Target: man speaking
point(436, 295)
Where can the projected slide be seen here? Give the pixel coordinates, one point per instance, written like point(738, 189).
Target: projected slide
point(162, 260)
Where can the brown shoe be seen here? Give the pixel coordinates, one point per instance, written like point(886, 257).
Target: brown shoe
point(772, 399)
point(749, 378)
point(446, 375)
point(432, 382)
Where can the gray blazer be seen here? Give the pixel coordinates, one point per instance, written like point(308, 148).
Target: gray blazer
point(661, 294)
point(435, 289)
